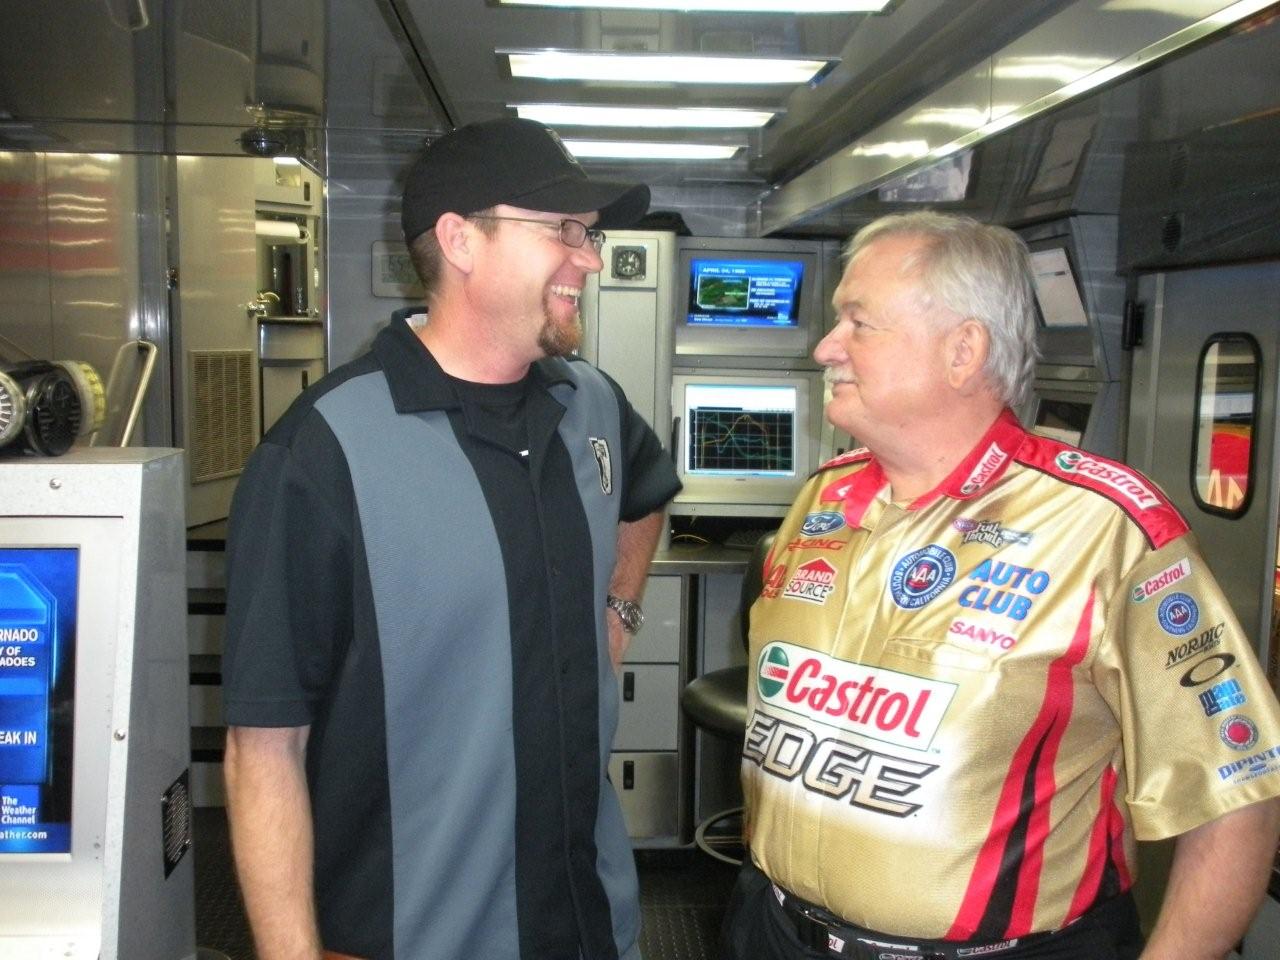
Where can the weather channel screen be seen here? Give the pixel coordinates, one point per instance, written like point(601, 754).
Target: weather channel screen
point(745, 293)
point(37, 697)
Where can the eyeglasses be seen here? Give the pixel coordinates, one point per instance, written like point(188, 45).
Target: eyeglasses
point(573, 233)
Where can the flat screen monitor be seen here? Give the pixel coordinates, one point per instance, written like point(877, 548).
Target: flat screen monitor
point(1057, 293)
point(1062, 419)
point(744, 293)
point(756, 298)
point(38, 595)
point(743, 441)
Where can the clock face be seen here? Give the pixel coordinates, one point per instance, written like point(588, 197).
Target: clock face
point(13, 409)
point(628, 263)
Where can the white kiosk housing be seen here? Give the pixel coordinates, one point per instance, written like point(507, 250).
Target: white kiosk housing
point(95, 813)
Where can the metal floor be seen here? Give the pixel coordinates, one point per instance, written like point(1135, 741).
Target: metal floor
point(682, 898)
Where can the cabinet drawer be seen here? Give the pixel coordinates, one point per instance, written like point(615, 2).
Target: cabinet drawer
point(648, 708)
point(659, 640)
point(648, 787)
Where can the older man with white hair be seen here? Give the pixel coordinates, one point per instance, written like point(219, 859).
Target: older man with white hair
point(1018, 664)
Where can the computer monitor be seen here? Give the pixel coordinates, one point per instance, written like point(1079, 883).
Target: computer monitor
point(1062, 418)
point(38, 595)
point(745, 442)
point(1057, 292)
point(748, 298)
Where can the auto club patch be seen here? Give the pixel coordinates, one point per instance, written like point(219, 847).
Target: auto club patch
point(921, 575)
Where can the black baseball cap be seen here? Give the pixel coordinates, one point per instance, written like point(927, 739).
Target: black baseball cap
point(513, 161)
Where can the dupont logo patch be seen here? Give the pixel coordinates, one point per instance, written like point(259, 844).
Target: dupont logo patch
point(1109, 475)
point(812, 582)
point(1165, 578)
point(897, 708)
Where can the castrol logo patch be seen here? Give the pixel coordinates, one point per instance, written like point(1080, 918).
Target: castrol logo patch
point(1118, 479)
point(1165, 578)
point(884, 705)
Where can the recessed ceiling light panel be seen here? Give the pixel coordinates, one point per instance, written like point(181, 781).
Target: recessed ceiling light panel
point(722, 6)
point(648, 150)
point(688, 118)
point(662, 68)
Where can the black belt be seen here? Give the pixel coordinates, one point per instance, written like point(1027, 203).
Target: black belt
point(819, 930)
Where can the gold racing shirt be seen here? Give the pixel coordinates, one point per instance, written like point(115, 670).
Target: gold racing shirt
point(964, 710)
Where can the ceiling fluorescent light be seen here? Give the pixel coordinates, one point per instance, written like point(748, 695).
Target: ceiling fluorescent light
point(691, 118)
point(648, 150)
point(659, 67)
point(720, 6)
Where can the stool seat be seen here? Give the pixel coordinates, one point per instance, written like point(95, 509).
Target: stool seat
point(717, 702)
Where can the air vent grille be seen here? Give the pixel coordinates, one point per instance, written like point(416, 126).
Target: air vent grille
point(222, 424)
point(175, 821)
point(1171, 232)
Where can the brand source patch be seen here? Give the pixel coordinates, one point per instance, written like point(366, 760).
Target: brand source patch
point(812, 582)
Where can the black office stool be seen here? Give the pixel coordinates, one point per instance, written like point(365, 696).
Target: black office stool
point(717, 703)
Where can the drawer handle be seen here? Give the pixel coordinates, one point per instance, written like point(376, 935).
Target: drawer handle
point(628, 686)
point(628, 774)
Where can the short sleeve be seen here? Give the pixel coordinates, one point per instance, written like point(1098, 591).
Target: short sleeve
point(1199, 722)
point(289, 571)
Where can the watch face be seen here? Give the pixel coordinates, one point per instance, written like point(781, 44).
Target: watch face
point(628, 263)
point(12, 409)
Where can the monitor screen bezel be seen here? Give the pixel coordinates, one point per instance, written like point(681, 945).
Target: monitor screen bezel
point(1083, 398)
point(791, 342)
point(704, 493)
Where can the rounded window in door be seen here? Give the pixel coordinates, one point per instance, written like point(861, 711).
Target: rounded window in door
point(1226, 405)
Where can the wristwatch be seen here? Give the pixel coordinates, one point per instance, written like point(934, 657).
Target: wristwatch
point(628, 612)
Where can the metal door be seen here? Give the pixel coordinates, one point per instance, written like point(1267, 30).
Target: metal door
point(1185, 310)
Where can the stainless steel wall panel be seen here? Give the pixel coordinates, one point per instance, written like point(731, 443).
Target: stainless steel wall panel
point(24, 256)
point(93, 255)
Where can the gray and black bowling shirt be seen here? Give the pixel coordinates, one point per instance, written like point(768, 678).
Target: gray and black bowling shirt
point(431, 602)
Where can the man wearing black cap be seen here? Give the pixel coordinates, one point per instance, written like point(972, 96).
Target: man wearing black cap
point(434, 559)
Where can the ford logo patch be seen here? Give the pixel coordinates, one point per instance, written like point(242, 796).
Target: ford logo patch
point(816, 524)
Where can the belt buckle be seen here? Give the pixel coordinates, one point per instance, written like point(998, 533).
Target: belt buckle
point(812, 932)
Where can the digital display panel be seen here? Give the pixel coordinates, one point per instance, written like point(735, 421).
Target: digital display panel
point(1057, 295)
point(1064, 420)
point(736, 430)
point(745, 293)
point(38, 590)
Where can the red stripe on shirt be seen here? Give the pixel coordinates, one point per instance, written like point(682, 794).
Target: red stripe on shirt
point(1099, 846)
point(1047, 729)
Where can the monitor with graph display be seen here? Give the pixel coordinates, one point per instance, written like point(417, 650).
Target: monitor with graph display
point(743, 440)
point(736, 429)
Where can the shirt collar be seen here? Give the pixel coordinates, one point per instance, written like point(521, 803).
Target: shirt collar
point(982, 467)
point(417, 381)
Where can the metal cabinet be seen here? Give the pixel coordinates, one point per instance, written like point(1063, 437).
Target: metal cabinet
point(647, 766)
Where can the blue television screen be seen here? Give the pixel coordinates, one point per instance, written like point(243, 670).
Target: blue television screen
point(37, 695)
point(745, 293)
